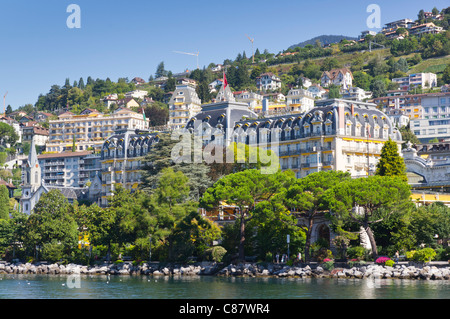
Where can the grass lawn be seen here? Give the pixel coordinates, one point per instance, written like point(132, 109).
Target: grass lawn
point(433, 65)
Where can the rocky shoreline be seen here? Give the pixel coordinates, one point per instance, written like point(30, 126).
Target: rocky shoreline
point(373, 271)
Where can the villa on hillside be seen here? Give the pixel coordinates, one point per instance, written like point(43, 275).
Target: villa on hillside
point(341, 77)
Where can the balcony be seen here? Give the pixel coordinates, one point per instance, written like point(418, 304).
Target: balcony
point(54, 163)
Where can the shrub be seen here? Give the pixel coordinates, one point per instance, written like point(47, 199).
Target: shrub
point(442, 253)
point(357, 252)
point(389, 263)
point(323, 253)
point(328, 264)
point(215, 253)
point(424, 255)
point(410, 254)
point(52, 251)
point(356, 262)
point(382, 260)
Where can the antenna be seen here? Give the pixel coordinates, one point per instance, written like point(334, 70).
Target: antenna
point(4, 104)
point(253, 55)
point(195, 54)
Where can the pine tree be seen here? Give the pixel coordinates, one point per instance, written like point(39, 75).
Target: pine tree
point(81, 84)
point(391, 163)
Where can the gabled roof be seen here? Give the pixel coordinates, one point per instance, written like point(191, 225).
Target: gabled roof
point(332, 74)
point(8, 185)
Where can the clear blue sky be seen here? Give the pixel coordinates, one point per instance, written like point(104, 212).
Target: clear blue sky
point(129, 38)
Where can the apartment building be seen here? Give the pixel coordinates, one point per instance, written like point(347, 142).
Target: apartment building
point(356, 93)
point(183, 104)
point(393, 26)
point(436, 105)
point(299, 100)
point(410, 104)
point(51, 171)
point(253, 99)
point(435, 122)
point(425, 28)
point(121, 160)
point(88, 131)
point(69, 169)
point(425, 80)
point(38, 134)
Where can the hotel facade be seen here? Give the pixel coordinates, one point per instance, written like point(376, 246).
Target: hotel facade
point(90, 129)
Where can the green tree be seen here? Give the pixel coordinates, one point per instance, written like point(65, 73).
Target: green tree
point(362, 80)
point(307, 199)
point(371, 200)
point(160, 70)
point(192, 236)
point(245, 190)
point(102, 226)
point(170, 205)
point(329, 64)
point(52, 225)
point(4, 202)
point(7, 134)
point(400, 65)
point(273, 222)
point(203, 92)
point(157, 113)
point(391, 163)
point(333, 92)
point(378, 88)
point(408, 136)
point(161, 157)
point(428, 221)
point(421, 16)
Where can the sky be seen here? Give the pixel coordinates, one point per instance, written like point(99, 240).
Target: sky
point(130, 38)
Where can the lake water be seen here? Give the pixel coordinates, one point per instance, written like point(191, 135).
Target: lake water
point(204, 287)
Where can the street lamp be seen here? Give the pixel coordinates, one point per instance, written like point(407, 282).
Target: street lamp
point(288, 239)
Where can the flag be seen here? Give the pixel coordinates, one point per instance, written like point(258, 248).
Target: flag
point(225, 83)
point(143, 114)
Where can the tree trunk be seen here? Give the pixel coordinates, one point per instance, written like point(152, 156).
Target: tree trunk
point(308, 239)
point(242, 240)
point(372, 242)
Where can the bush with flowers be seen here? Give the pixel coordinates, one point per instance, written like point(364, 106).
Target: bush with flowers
point(382, 260)
point(355, 262)
point(328, 264)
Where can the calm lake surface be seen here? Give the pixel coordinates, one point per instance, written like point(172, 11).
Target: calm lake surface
point(204, 287)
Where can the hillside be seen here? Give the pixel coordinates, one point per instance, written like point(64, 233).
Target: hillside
point(324, 40)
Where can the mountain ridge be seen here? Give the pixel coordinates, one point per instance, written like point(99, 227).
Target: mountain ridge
point(324, 40)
